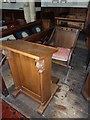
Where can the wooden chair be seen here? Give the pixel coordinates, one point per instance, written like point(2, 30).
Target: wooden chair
point(65, 40)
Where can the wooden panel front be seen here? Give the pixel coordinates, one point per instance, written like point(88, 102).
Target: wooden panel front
point(30, 66)
point(27, 77)
point(24, 72)
point(30, 73)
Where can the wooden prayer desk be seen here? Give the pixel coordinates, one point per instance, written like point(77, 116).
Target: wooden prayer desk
point(30, 65)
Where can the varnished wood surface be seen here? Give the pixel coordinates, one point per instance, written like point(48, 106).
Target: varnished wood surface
point(54, 88)
point(29, 49)
point(30, 65)
point(27, 78)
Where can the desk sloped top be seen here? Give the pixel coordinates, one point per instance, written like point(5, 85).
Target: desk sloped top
point(33, 50)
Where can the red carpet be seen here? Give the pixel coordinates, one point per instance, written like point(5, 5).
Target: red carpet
point(10, 113)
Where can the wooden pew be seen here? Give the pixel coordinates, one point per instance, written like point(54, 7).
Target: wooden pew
point(41, 36)
point(19, 28)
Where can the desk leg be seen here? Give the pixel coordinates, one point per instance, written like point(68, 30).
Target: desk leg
point(48, 89)
point(13, 60)
point(16, 92)
point(54, 89)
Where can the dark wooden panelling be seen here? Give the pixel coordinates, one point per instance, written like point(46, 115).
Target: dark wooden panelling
point(12, 14)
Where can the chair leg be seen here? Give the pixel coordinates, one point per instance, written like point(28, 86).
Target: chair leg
point(69, 68)
point(65, 81)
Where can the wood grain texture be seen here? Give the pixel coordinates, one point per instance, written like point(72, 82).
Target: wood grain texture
point(29, 49)
point(30, 66)
point(42, 108)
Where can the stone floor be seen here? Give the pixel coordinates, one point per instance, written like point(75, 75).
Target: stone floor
point(68, 102)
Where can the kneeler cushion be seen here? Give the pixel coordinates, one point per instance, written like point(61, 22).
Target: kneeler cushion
point(36, 29)
point(22, 34)
point(62, 54)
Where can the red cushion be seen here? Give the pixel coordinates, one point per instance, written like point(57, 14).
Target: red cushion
point(62, 54)
point(12, 25)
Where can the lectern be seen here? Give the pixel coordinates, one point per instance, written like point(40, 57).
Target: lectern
point(30, 65)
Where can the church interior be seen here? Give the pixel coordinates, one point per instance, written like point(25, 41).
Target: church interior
point(44, 59)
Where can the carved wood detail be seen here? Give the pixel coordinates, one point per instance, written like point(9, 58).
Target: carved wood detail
point(6, 53)
point(40, 65)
